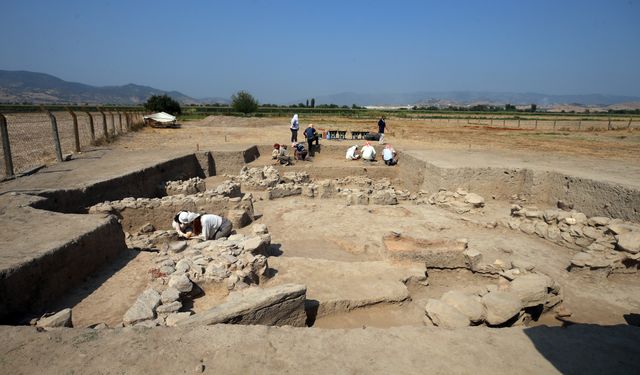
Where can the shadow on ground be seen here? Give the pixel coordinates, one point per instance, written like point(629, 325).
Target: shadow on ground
point(589, 348)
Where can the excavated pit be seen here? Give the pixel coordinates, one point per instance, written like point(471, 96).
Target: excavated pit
point(372, 244)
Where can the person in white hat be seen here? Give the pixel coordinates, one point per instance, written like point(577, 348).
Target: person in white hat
point(352, 153)
point(205, 226)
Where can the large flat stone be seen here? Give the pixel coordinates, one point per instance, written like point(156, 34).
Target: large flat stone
point(274, 306)
point(342, 286)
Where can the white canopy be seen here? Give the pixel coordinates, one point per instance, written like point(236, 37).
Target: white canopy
point(161, 117)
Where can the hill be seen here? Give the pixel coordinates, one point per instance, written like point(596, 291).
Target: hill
point(40, 88)
point(464, 98)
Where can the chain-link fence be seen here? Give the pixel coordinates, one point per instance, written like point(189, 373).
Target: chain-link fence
point(35, 138)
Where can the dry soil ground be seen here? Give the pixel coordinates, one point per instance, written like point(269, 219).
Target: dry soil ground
point(323, 231)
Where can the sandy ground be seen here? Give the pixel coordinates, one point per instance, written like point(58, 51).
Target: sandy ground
point(328, 230)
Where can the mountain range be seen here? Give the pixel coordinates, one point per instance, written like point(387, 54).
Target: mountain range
point(41, 88)
point(464, 98)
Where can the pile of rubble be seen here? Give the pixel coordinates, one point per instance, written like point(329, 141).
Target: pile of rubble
point(608, 245)
point(226, 200)
point(514, 302)
point(184, 267)
point(459, 201)
point(257, 178)
point(190, 186)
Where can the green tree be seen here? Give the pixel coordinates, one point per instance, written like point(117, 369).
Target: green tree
point(243, 102)
point(313, 102)
point(163, 103)
point(307, 103)
point(534, 107)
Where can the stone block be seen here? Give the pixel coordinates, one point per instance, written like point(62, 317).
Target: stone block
point(275, 306)
point(62, 318)
point(444, 315)
point(501, 306)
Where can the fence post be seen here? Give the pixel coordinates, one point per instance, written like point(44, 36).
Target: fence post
point(518, 123)
point(113, 124)
point(54, 134)
point(6, 147)
point(536, 124)
point(92, 130)
point(629, 124)
point(76, 132)
point(120, 122)
point(104, 125)
point(609, 124)
point(579, 124)
point(554, 124)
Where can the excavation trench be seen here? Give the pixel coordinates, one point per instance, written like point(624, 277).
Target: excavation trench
point(365, 259)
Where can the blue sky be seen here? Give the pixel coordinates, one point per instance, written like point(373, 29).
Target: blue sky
point(289, 50)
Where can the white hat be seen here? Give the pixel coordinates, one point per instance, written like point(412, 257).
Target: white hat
point(186, 217)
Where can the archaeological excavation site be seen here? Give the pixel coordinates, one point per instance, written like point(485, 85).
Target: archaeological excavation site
point(332, 264)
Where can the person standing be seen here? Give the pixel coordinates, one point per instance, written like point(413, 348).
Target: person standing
point(381, 127)
point(294, 128)
point(311, 135)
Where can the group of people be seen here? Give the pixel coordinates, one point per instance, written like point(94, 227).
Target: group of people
point(203, 226)
point(281, 153)
point(310, 132)
point(300, 152)
point(368, 153)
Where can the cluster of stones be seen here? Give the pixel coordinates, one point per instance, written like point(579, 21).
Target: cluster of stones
point(355, 190)
point(512, 302)
point(191, 186)
point(459, 201)
point(608, 245)
point(226, 199)
point(182, 269)
point(258, 178)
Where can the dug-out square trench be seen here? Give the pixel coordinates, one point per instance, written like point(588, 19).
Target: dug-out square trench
point(372, 245)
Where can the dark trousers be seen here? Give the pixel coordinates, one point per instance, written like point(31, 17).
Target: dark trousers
point(310, 144)
point(294, 135)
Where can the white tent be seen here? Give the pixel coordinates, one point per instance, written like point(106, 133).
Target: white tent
point(161, 117)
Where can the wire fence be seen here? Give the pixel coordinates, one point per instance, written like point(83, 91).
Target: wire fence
point(32, 139)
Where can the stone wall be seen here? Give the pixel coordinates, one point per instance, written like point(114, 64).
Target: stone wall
point(610, 245)
point(159, 212)
point(594, 198)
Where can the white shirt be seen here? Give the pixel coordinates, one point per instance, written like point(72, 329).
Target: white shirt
point(387, 154)
point(351, 153)
point(368, 153)
point(210, 224)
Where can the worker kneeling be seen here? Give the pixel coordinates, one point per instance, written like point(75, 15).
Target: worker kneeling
point(390, 155)
point(368, 152)
point(353, 153)
point(204, 226)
